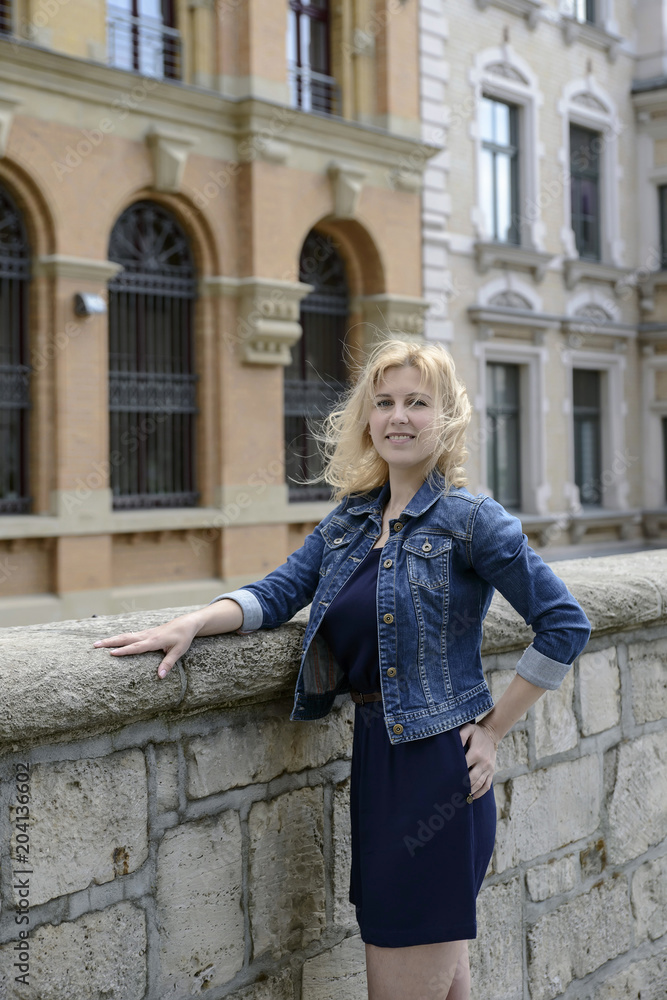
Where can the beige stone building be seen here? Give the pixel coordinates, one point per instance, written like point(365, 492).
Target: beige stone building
point(545, 248)
point(207, 210)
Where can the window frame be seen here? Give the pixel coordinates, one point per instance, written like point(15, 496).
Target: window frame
point(587, 174)
point(513, 152)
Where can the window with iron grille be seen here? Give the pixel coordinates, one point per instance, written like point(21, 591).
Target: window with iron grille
point(308, 57)
point(586, 389)
point(152, 380)
point(142, 37)
point(582, 10)
point(585, 146)
point(503, 433)
point(14, 367)
point(317, 374)
point(5, 17)
point(500, 169)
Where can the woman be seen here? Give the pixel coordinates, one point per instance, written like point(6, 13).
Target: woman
point(400, 576)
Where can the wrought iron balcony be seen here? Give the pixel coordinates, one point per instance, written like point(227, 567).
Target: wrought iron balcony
point(143, 45)
point(313, 91)
point(5, 17)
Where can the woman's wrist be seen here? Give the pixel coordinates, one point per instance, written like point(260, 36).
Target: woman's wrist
point(491, 733)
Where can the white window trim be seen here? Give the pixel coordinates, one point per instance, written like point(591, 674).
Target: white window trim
point(586, 103)
point(613, 459)
point(652, 412)
point(533, 409)
point(520, 87)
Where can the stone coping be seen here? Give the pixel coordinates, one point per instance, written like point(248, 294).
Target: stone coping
point(56, 686)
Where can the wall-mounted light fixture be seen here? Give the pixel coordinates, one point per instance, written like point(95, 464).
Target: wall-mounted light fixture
point(86, 304)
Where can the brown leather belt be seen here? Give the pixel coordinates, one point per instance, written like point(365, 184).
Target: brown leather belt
point(360, 698)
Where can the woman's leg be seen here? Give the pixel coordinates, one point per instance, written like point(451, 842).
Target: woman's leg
point(460, 988)
point(419, 972)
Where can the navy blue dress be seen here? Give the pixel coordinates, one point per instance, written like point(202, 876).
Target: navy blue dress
point(419, 849)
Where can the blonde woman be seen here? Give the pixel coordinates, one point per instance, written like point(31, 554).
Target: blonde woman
point(400, 577)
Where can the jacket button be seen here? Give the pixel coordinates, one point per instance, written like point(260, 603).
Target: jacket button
point(398, 729)
point(391, 672)
point(387, 564)
point(426, 547)
point(337, 541)
point(388, 619)
point(398, 526)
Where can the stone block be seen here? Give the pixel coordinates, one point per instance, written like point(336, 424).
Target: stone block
point(649, 900)
point(556, 876)
point(286, 894)
point(599, 691)
point(581, 935)
point(261, 749)
point(512, 751)
point(555, 721)
point(278, 987)
point(166, 766)
point(593, 858)
point(548, 809)
point(648, 667)
point(337, 974)
point(496, 963)
point(100, 956)
point(344, 911)
point(88, 822)
point(645, 980)
point(199, 905)
point(638, 805)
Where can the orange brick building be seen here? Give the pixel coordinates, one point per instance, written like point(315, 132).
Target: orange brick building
point(183, 192)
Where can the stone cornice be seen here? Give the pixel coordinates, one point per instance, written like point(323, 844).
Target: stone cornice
point(528, 9)
point(489, 254)
point(77, 268)
point(576, 269)
point(95, 695)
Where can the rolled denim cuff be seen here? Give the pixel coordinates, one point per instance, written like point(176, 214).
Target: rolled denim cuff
point(541, 670)
point(250, 606)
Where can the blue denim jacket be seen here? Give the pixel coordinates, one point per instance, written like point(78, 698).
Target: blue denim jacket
point(436, 577)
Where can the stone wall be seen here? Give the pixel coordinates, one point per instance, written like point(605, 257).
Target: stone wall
point(185, 837)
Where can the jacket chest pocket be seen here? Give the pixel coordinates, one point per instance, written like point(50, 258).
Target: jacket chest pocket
point(428, 559)
point(337, 540)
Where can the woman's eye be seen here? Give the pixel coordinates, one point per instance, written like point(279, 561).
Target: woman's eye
point(419, 402)
point(381, 402)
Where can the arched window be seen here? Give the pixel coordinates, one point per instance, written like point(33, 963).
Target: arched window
point(152, 382)
point(318, 372)
point(14, 367)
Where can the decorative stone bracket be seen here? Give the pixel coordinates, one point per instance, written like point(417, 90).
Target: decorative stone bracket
point(489, 254)
point(267, 323)
point(346, 182)
point(8, 108)
point(392, 315)
point(577, 268)
point(169, 152)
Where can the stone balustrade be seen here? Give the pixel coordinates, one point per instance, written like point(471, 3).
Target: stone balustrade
point(185, 837)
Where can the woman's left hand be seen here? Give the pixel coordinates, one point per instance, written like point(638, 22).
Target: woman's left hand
point(480, 757)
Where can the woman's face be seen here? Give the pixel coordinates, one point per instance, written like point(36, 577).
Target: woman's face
point(402, 419)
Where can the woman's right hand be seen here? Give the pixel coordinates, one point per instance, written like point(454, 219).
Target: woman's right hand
point(174, 637)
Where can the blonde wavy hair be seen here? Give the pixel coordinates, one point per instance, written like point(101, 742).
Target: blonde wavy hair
point(351, 463)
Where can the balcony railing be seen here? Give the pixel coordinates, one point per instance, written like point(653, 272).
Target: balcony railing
point(143, 44)
point(313, 91)
point(5, 17)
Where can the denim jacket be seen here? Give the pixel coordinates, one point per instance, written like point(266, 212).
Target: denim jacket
point(436, 577)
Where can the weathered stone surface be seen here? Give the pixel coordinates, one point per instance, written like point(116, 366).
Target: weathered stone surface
point(555, 722)
point(278, 987)
point(100, 956)
point(512, 751)
point(264, 748)
point(88, 822)
point(599, 691)
point(199, 894)
point(286, 895)
point(344, 911)
point(649, 899)
point(648, 665)
point(551, 879)
point(337, 974)
point(578, 937)
point(638, 807)
point(547, 809)
point(496, 964)
point(645, 980)
point(166, 765)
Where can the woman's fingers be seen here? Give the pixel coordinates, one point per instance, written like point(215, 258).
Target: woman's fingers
point(480, 757)
point(119, 640)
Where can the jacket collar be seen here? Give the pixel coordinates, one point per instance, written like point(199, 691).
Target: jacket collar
point(427, 494)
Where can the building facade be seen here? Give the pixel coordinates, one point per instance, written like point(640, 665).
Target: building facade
point(207, 212)
point(544, 236)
